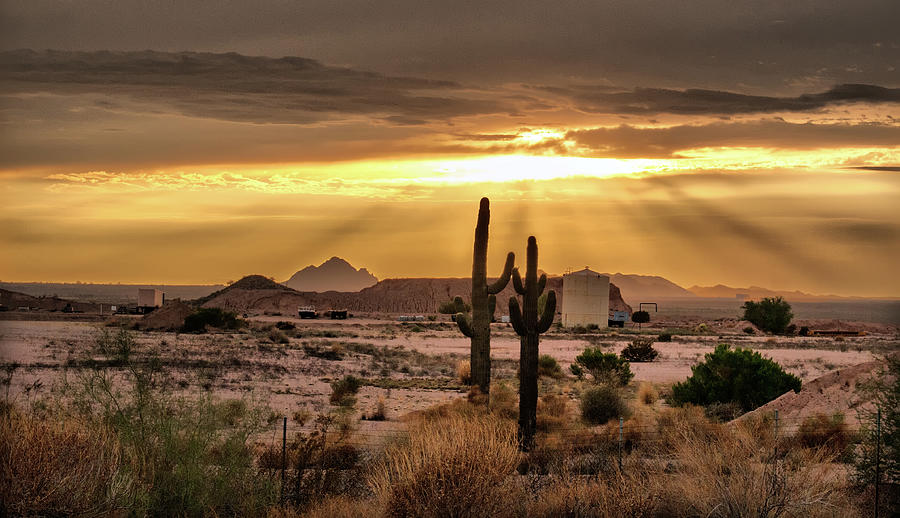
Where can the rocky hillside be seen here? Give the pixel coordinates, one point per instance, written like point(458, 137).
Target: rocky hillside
point(418, 296)
point(334, 274)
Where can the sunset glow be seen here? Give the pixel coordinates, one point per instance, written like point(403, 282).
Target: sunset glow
point(219, 157)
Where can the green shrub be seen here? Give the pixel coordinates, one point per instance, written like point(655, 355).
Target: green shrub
point(452, 307)
point(191, 456)
point(601, 403)
point(664, 337)
point(199, 320)
point(548, 366)
point(740, 375)
point(771, 314)
point(343, 390)
point(640, 317)
point(603, 367)
point(640, 350)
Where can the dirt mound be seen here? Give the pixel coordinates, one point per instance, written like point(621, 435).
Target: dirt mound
point(170, 317)
point(840, 325)
point(417, 296)
point(834, 392)
point(13, 300)
point(249, 283)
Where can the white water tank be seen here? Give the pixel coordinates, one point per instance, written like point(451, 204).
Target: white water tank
point(585, 299)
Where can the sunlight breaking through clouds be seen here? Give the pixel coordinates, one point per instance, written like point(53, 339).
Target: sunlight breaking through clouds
point(419, 178)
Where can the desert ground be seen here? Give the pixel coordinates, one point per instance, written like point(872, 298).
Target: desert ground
point(409, 365)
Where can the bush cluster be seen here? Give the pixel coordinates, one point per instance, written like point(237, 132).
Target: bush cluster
point(601, 403)
point(203, 318)
point(548, 366)
point(602, 366)
point(344, 390)
point(452, 307)
point(640, 350)
point(771, 314)
point(737, 375)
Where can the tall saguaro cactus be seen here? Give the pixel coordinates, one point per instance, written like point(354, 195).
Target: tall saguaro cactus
point(529, 325)
point(483, 302)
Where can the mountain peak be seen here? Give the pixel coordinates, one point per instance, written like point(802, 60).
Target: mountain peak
point(335, 274)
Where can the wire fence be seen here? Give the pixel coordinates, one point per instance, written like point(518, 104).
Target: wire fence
point(615, 440)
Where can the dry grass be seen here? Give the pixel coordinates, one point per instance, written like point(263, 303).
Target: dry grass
point(464, 372)
point(737, 474)
point(452, 466)
point(647, 394)
point(61, 467)
point(553, 412)
point(608, 497)
point(823, 431)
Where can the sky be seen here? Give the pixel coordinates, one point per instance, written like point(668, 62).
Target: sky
point(742, 143)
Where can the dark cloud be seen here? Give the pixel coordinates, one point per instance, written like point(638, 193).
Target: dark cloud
point(651, 101)
point(761, 44)
point(890, 168)
point(240, 88)
point(633, 142)
point(861, 231)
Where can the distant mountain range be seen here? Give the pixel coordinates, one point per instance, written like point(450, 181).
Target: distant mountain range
point(755, 292)
point(338, 275)
point(334, 274)
point(645, 288)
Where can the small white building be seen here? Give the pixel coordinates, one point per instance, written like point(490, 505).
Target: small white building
point(585, 299)
point(150, 298)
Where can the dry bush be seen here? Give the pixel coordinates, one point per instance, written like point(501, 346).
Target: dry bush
point(464, 372)
point(673, 424)
point(504, 402)
point(620, 494)
point(553, 412)
point(647, 394)
point(455, 466)
point(338, 507)
point(738, 475)
point(379, 413)
point(823, 431)
point(602, 403)
point(458, 407)
point(61, 467)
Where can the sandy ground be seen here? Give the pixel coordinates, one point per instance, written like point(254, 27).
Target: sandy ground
point(286, 378)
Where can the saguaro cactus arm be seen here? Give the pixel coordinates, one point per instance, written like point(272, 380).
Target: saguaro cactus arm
point(515, 316)
point(542, 283)
point(501, 283)
point(463, 323)
point(549, 312)
point(517, 282)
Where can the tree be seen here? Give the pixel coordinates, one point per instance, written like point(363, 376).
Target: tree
point(884, 391)
point(739, 375)
point(771, 314)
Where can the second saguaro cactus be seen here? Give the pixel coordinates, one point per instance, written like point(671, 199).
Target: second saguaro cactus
point(529, 325)
point(483, 302)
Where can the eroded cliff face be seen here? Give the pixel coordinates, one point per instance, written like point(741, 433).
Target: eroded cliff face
point(419, 296)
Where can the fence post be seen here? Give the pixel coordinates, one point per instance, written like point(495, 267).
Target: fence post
point(620, 443)
point(877, 456)
point(776, 435)
point(283, 455)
